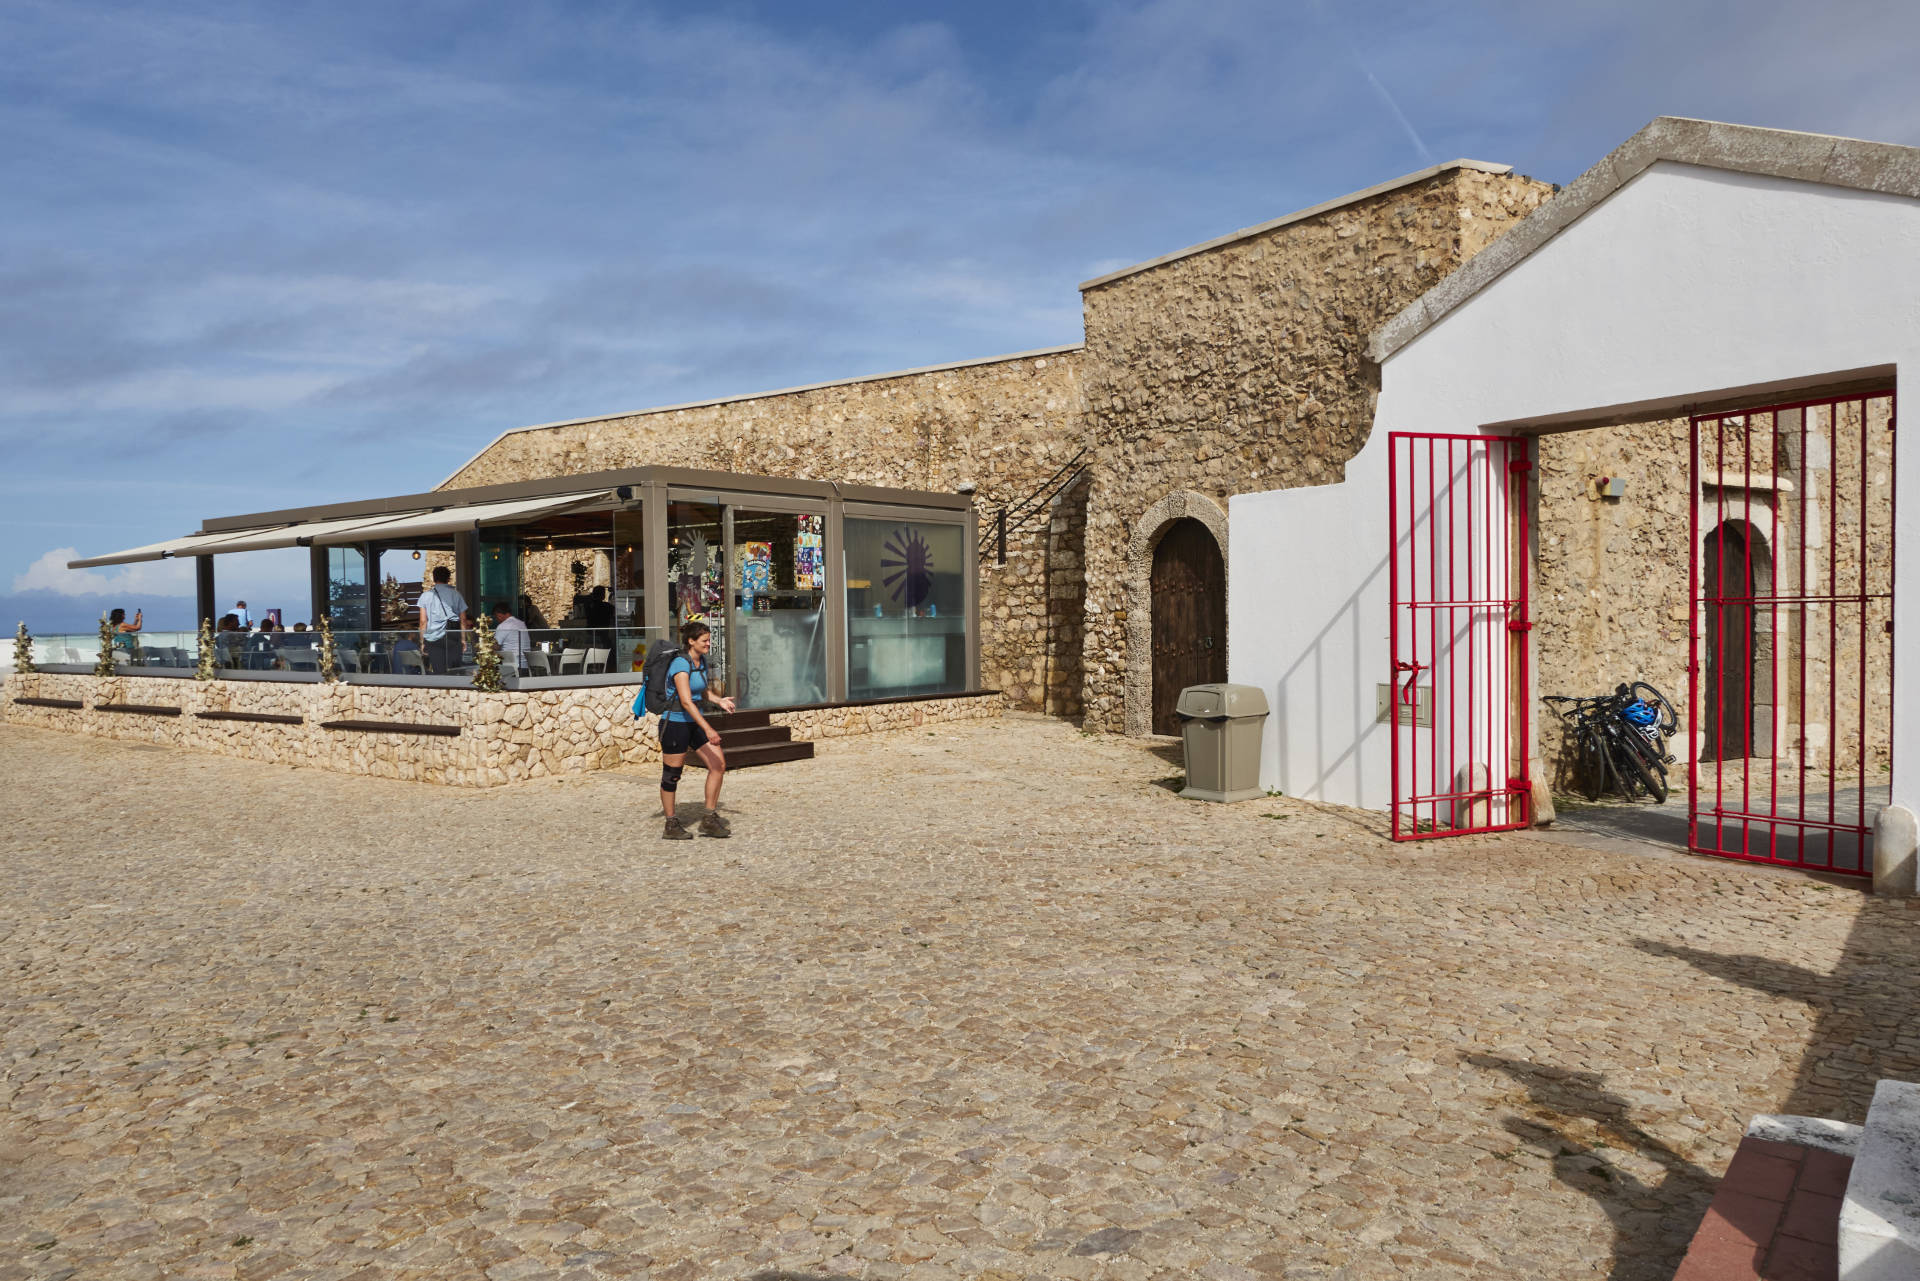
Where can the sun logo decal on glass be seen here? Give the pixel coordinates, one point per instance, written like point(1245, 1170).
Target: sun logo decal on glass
point(906, 567)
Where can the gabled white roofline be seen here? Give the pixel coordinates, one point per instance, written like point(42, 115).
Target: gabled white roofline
point(1036, 353)
point(1300, 215)
point(1774, 153)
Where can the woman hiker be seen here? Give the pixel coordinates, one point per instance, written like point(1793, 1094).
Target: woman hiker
point(684, 729)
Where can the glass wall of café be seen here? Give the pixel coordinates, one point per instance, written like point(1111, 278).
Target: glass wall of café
point(754, 570)
point(907, 609)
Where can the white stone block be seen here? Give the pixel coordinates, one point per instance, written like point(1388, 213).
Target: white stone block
point(1880, 1218)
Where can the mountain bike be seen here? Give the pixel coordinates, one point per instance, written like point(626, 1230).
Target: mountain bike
point(1619, 740)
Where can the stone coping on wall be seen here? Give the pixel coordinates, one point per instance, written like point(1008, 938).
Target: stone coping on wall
point(456, 737)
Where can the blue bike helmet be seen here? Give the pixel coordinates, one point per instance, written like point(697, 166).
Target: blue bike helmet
point(1642, 714)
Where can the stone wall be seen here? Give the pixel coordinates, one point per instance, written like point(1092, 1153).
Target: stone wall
point(1006, 425)
point(814, 723)
point(1610, 585)
point(504, 737)
point(1244, 368)
point(1611, 592)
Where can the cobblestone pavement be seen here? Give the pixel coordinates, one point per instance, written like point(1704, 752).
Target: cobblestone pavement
point(984, 1002)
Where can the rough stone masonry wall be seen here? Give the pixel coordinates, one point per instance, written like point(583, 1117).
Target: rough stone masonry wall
point(1244, 368)
point(1611, 586)
point(505, 737)
point(1005, 425)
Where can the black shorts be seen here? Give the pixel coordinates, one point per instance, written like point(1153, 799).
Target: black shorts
point(681, 736)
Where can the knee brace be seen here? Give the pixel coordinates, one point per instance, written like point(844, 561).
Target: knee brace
point(670, 777)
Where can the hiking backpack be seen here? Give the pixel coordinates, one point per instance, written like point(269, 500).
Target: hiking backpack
point(655, 694)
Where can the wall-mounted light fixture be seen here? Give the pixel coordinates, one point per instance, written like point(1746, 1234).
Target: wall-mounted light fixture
point(416, 555)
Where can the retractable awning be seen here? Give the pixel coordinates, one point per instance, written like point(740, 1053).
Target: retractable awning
point(356, 529)
point(373, 527)
point(191, 545)
point(454, 520)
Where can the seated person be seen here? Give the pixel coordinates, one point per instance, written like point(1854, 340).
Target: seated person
point(405, 642)
point(261, 655)
point(228, 640)
point(511, 635)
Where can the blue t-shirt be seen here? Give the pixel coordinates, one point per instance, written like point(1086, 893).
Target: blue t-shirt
point(696, 685)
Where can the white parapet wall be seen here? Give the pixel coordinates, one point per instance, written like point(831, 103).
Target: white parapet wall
point(495, 739)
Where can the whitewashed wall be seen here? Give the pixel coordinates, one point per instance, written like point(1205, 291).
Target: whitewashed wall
point(1686, 281)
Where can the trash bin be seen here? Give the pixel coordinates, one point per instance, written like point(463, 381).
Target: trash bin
point(1222, 725)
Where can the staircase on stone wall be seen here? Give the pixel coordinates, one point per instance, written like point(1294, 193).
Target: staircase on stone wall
point(751, 738)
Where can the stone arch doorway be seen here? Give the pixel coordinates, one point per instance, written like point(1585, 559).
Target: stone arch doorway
point(1189, 592)
point(1149, 530)
point(1736, 566)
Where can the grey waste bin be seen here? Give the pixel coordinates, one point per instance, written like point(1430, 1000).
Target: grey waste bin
point(1222, 725)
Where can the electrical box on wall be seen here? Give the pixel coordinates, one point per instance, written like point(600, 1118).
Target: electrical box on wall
point(1418, 713)
point(1610, 486)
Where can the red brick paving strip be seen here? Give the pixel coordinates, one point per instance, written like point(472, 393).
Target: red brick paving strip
point(1776, 1217)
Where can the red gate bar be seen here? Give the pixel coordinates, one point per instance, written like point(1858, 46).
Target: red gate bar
point(1457, 529)
point(1800, 788)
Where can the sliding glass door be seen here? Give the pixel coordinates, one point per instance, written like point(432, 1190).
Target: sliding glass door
point(779, 591)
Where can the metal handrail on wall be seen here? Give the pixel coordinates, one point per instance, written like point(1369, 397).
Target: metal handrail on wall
point(1013, 518)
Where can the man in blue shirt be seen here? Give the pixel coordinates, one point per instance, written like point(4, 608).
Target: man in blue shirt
point(440, 607)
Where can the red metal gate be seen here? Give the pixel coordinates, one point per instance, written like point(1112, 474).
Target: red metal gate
point(1790, 670)
point(1458, 634)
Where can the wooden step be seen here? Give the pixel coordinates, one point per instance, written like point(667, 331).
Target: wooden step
point(765, 754)
point(746, 719)
point(734, 736)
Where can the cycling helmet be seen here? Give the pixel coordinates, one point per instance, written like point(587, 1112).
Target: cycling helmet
point(1642, 714)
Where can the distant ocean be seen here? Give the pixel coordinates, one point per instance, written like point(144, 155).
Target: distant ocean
point(54, 613)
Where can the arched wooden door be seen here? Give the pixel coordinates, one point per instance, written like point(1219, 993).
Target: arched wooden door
point(1189, 617)
point(1727, 564)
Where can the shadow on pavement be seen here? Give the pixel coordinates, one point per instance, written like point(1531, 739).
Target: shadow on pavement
point(1862, 1010)
point(1666, 824)
point(1575, 1120)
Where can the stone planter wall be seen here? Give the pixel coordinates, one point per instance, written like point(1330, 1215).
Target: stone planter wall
point(503, 738)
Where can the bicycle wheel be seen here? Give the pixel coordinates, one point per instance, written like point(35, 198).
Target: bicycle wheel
point(1590, 772)
point(1634, 765)
point(1669, 719)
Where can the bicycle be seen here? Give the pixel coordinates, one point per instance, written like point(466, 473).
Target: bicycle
point(1619, 740)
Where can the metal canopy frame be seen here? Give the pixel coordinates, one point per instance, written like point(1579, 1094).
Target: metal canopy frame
point(401, 519)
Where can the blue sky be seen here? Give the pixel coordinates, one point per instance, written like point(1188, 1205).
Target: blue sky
point(254, 256)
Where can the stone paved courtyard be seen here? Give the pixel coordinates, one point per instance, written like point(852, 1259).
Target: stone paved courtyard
point(984, 1002)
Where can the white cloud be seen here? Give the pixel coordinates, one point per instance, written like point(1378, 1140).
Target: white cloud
point(152, 578)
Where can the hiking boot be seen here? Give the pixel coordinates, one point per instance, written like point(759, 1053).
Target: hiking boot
point(676, 830)
point(714, 825)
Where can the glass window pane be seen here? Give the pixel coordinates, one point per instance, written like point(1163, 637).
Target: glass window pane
point(779, 598)
point(499, 569)
point(347, 594)
point(696, 571)
point(906, 608)
point(629, 591)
